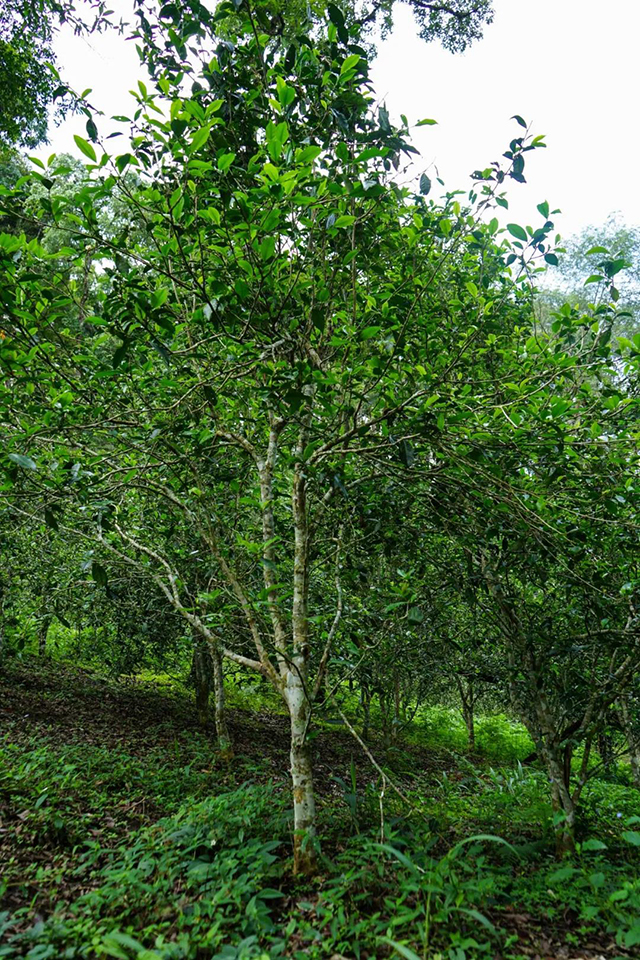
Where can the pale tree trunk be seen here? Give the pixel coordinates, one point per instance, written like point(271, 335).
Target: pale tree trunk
point(304, 804)
point(222, 731)
point(296, 689)
point(208, 672)
point(291, 642)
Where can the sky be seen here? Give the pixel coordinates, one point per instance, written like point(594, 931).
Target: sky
point(569, 67)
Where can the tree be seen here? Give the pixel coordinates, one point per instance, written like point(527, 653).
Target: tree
point(598, 262)
point(29, 82)
point(455, 25)
point(281, 333)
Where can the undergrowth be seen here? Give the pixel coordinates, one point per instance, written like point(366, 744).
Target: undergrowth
point(162, 851)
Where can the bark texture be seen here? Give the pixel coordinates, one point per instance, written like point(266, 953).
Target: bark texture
point(304, 804)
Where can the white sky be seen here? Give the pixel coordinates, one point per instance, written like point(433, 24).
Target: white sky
point(570, 67)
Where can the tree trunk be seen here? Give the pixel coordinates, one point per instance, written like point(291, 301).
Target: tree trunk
point(201, 673)
point(304, 804)
point(467, 698)
point(634, 760)
point(222, 731)
point(561, 801)
point(471, 727)
point(605, 749)
point(207, 674)
point(42, 636)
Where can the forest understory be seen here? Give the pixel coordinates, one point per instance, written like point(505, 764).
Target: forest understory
point(124, 834)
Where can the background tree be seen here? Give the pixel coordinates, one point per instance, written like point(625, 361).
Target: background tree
point(30, 85)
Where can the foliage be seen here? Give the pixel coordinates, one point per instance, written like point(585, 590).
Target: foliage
point(456, 25)
point(29, 81)
point(221, 851)
point(272, 407)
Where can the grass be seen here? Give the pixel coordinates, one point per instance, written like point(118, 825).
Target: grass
point(123, 835)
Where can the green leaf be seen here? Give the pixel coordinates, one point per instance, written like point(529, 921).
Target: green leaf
point(92, 130)
point(50, 519)
point(350, 62)
point(593, 844)
point(404, 860)
point(405, 952)
point(480, 917)
point(225, 161)
point(123, 161)
point(119, 355)
point(369, 332)
point(632, 836)
point(286, 94)
point(551, 259)
point(23, 461)
point(612, 267)
point(277, 136)
point(241, 287)
point(85, 147)
point(308, 154)
point(118, 945)
point(344, 221)
point(425, 184)
point(159, 297)
point(543, 208)
point(631, 937)
point(518, 119)
point(318, 318)
point(310, 447)
point(99, 574)
point(267, 248)
point(337, 19)
point(517, 231)
point(491, 837)
point(199, 139)
point(426, 123)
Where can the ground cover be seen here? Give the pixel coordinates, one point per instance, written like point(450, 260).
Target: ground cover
point(123, 834)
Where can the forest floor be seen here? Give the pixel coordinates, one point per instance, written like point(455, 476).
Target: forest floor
point(98, 779)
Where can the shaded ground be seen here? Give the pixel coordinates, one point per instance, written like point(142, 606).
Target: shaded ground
point(67, 704)
point(63, 707)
